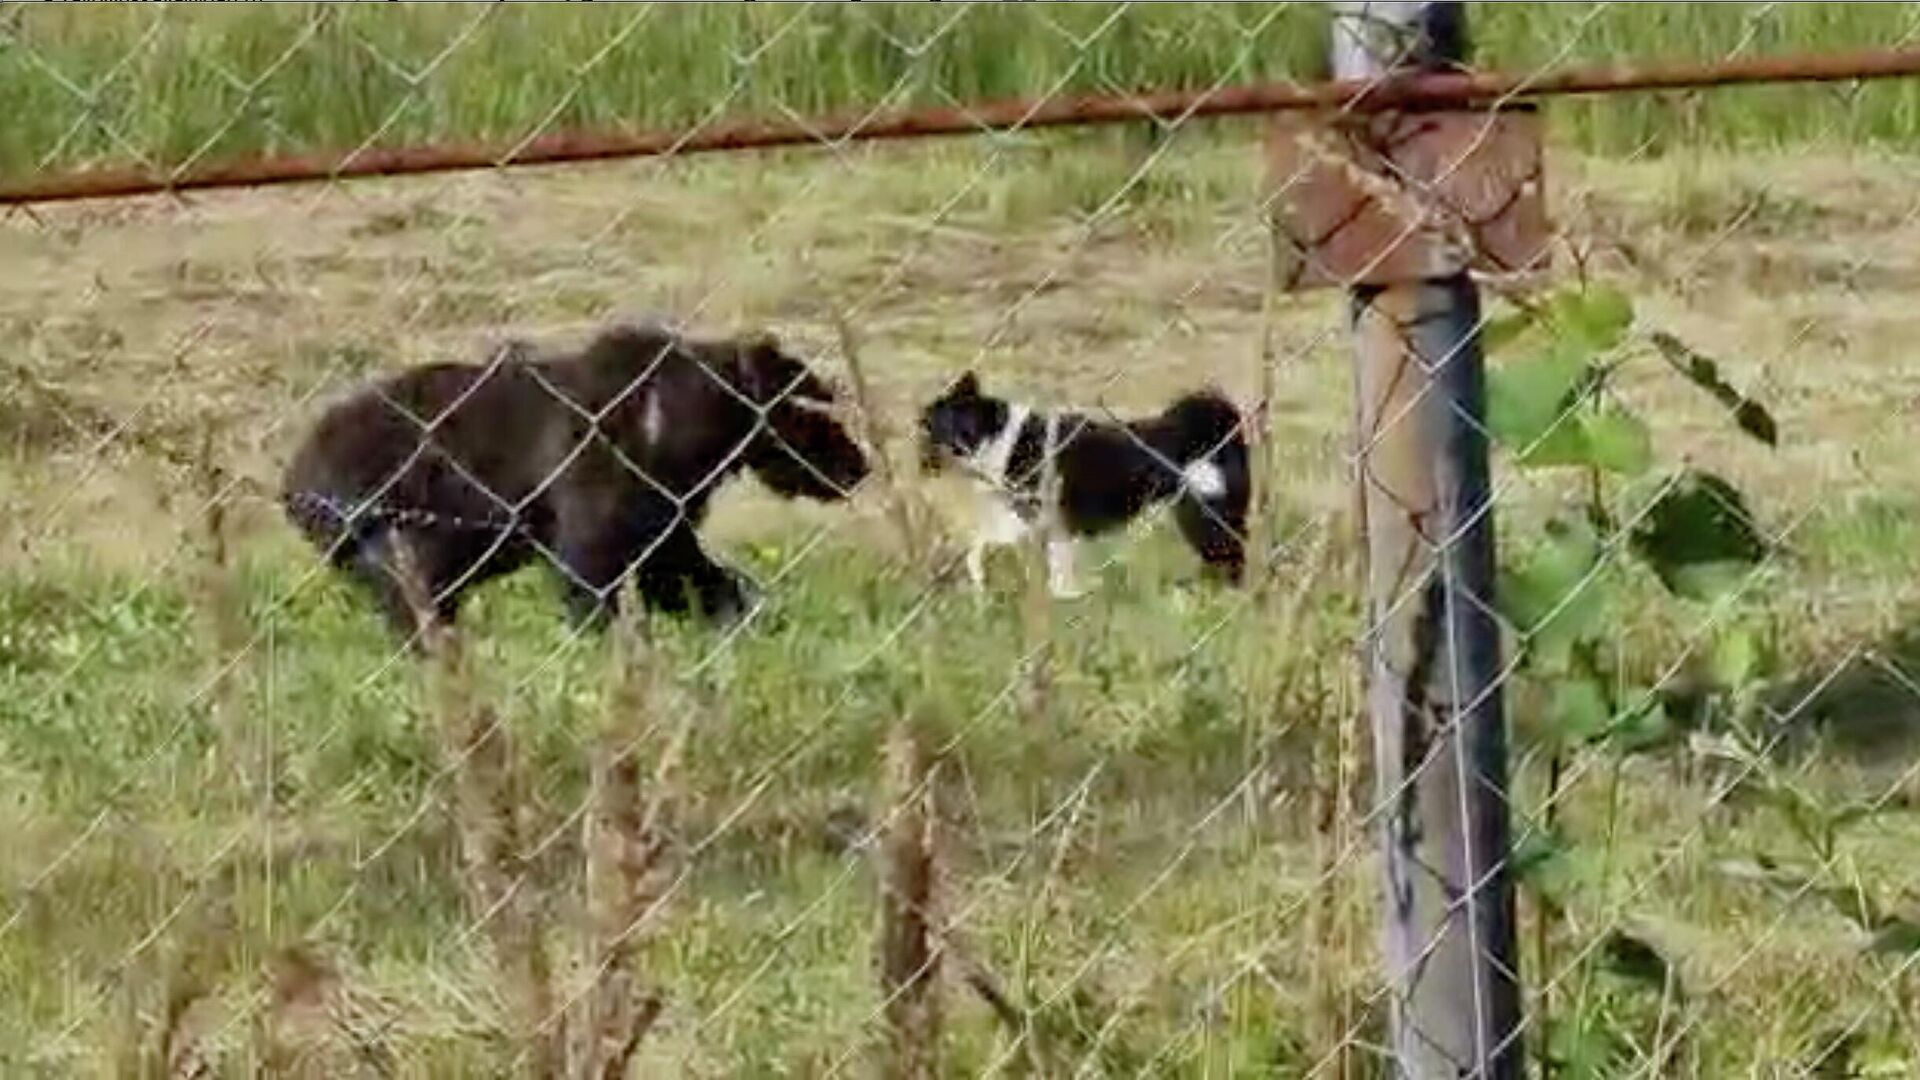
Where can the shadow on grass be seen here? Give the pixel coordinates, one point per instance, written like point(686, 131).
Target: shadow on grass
point(1866, 712)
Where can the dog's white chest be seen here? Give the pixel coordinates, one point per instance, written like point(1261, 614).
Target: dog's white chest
point(996, 521)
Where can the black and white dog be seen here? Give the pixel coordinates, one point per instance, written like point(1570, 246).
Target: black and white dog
point(602, 461)
point(1073, 476)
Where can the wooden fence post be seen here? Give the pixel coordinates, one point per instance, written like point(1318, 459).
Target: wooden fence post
point(1432, 645)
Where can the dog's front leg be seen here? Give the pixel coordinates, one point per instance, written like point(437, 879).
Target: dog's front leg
point(1060, 567)
point(977, 564)
point(996, 525)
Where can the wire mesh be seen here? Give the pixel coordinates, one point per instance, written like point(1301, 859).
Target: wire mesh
point(523, 621)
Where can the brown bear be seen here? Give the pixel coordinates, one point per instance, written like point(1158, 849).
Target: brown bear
point(600, 462)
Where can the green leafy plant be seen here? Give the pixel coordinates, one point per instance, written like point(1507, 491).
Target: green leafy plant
point(1628, 525)
point(1553, 406)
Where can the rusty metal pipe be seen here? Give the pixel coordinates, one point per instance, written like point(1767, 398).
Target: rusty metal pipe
point(1405, 91)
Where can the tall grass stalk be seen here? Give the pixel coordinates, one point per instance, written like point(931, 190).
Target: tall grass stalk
point(487, 811)
point(223, 607)
point(628, 845)
point(881, 438)
point(909, 947)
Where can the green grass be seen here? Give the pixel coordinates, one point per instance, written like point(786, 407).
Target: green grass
point(168, 86)
point(1104, 861)
point(788, 732)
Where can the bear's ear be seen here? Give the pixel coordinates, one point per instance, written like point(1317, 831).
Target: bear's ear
point(772, 376)
point(761, 366)
point(965, 387)
point(764, 343)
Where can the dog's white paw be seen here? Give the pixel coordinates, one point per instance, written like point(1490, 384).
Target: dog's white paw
point(977, 568)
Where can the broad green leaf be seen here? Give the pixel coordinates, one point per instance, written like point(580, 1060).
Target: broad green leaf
point(1707, 582)
point(1879, 1055)
point(1854, 905)
point(1896, 937)
point(1580, 710)
point(1541, 861)
point(1735, 657)
point(1698, 536)
point(1617, 441)
point(1751, 417)
point(1548, 596)
point(1643, 729)
point(1582, 1048)
point(1633, 958)
point(1609, 438)
point(1565, 443)
point(1524, 398)
point(1505, 330)
point(1597, 316)
point(1852, 813)
point(1537, 849)
point(1754, 419)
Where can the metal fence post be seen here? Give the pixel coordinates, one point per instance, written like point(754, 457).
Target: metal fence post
point(1432, 647)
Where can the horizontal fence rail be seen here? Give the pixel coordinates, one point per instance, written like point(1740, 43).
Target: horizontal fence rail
point(1426, 89)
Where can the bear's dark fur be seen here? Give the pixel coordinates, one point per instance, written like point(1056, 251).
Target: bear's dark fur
point(602, 462)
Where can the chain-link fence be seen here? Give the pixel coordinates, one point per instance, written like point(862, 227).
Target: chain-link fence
point(1102, 593)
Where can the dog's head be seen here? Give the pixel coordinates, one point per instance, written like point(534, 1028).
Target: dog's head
point(798, 447)
point(958, 423)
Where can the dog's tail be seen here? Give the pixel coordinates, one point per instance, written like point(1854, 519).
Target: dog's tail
point(1207, 439)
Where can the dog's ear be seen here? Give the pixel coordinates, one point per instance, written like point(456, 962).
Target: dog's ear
point(964, 388)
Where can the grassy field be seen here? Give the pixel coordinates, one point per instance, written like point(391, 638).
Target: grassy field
point(168, 86)
point(1153, 859)
point(231, 819)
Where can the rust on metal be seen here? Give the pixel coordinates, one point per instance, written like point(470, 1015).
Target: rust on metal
point(1353, 95)
point(1397, 197)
